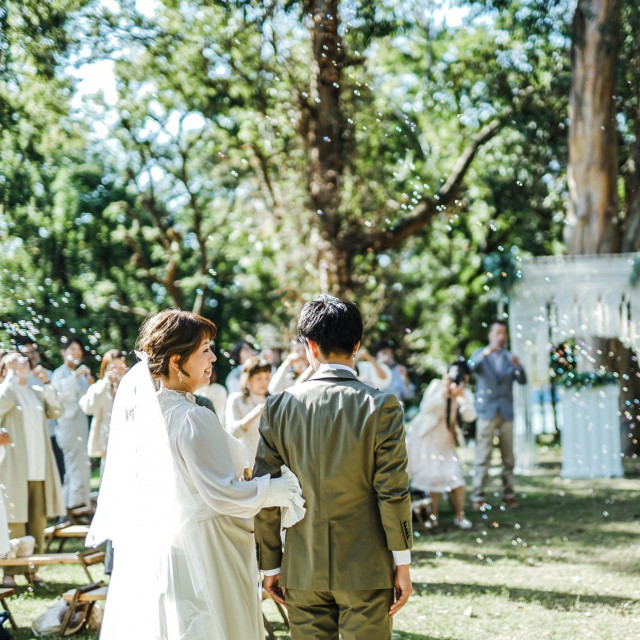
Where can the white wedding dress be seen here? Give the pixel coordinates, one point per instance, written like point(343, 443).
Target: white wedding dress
point(180, 519)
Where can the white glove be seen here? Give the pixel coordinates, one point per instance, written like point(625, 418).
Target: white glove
point(278, 493)
point(285, 492)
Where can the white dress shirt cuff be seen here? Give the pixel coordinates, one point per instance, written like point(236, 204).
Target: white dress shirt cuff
point(401, 557)
point(271, 572)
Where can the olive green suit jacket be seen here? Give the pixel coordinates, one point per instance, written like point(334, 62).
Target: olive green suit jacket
point(345, 442)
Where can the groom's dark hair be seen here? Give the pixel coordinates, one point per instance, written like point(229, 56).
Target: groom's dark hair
point(335, 325)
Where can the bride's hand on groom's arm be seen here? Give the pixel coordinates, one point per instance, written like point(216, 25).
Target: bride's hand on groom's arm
point(403, 588)
point(271, 586)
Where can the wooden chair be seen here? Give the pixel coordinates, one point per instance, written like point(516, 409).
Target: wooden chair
point(63, 532)
point(81, 515)
point(81, 603)
point(267, 625)
point(5, 593)
point(84, 558)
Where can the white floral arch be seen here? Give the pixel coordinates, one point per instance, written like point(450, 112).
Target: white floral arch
point(558, 298)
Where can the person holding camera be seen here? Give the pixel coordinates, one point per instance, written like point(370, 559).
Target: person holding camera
point(434, 433)
point(98, 402)
point(72, 380)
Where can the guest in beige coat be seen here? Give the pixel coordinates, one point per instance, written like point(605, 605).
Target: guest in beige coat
point(98, 402)
point(28, 473)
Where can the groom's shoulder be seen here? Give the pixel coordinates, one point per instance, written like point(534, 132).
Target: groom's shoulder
point(314, 388)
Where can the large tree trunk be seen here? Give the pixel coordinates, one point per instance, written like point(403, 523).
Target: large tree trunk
point(325, 132)
point(622, 360)
point(631, 237)
point(592, 172)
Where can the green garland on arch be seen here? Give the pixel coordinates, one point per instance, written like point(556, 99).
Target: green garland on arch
point(587, 380)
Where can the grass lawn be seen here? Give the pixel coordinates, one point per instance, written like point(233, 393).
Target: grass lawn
point(565, 566)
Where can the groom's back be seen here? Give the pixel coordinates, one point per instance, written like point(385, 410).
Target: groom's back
point(345, 442)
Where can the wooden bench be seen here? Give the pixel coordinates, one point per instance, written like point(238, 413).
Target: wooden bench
point(84, 558)
point(81, 603)
point(5, 593)
point(63, 532)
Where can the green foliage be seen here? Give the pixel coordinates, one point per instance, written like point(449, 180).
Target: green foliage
point(190, 186)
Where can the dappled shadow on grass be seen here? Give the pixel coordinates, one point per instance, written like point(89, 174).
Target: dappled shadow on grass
point(428, 557)
point(405, 635)
point(559, 600)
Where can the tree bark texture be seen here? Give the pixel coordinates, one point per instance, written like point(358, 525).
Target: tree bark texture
point(592, 172)
point(325, 134)
point(631, 237)
point(615, 357)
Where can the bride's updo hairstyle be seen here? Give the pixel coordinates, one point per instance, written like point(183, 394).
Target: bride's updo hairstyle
point(172, 332)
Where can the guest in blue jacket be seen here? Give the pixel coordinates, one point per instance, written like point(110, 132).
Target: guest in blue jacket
point(496, 369)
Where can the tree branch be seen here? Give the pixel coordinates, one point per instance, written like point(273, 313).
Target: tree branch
point(359, 241)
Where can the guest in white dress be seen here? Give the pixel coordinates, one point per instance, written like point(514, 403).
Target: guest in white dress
point(98, 402)
point(174, 503)
point(434, 465)
point(244, 407)
point(28, 474)
point(71, 381)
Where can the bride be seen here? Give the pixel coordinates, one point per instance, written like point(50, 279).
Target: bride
point(173, 500)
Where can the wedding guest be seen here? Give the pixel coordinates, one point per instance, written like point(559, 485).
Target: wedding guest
point(30, 349)
point(217, 394)
point(496, 370)
point(240, 353)
point(273, 355)
point(372, 372)
point(244, 407)
point(72, 381)
point(294, 369)
point(98, 402)
point(28, 473)
point(434, 465)
point(400, 385)
point(5, 441)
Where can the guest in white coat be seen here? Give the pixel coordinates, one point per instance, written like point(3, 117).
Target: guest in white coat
point(5, 440)
point(30, 349)
point(98, 402)
point(29, 473)
point(72, 381)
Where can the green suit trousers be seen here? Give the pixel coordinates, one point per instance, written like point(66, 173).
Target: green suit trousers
point(349, 614)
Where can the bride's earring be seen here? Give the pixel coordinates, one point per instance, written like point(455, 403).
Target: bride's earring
point(180, 377)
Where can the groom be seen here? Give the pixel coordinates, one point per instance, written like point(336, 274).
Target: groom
point(345, 566)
